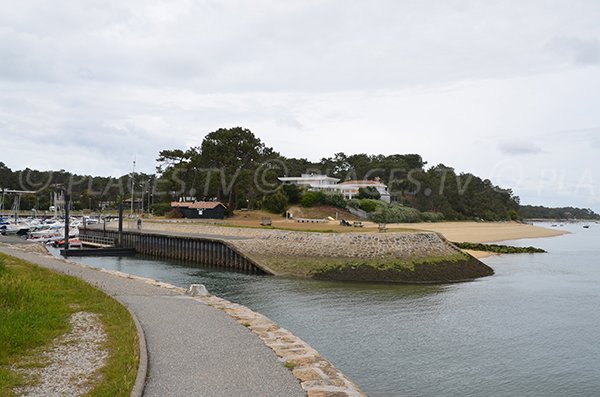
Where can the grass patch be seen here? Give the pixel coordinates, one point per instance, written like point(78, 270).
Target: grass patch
point(35, 306)
point(498, 248)
point(289, 365)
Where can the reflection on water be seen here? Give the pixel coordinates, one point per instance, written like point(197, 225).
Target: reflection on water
point(530, 330)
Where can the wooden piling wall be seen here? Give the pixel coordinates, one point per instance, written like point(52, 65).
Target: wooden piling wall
point(197, 250)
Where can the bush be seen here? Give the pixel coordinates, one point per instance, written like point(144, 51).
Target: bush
point(395, 213)
point(368, 193)
point(432, 216)
point(354, 203)
point(175, 213)
point(310, 199)
point(368, 205)
point(159, 209)
point(276, 203)
point(293, 193)
point(334, 199)
point(513, 215)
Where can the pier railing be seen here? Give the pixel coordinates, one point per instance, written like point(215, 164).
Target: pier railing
point(97, 241)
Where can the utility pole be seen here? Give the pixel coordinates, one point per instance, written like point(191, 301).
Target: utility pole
point(132, 185)
point(150, 189)
point(143, 189)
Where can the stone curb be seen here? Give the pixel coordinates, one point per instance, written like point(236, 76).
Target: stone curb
point(140, 378)
point(317, 376)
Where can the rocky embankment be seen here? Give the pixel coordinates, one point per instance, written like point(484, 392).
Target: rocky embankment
point(421, 257)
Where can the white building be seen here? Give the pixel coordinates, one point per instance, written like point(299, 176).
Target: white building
point(350, 188)
point(311, 181)
point(328, 184)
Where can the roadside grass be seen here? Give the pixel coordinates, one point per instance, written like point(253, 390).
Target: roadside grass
point(35, 306)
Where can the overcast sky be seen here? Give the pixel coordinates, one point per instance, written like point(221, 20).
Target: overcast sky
point(508, 90)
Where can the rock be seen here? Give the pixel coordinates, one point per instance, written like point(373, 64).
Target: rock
point(197, 290)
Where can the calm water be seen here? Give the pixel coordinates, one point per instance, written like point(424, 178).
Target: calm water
point(530, 330)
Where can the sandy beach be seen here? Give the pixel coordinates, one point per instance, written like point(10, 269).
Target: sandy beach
point(484, 232)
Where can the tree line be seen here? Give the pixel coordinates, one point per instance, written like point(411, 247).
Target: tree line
point(234, 166)
point(540, 212)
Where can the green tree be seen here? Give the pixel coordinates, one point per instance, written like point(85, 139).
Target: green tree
point(310, 199)
point(293, 193)
point(236, 152)
point(276, 203)
point(368, 193)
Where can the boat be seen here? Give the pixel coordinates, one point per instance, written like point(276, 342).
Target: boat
point(73, 243)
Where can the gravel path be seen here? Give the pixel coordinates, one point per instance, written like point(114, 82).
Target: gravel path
point(193, 349)
point(73, 360)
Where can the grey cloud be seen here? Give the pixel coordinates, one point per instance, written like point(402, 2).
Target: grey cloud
point(235, 46)
point(584, 51)
point(518, 148)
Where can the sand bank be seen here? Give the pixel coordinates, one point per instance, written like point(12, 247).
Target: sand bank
point(484, 232)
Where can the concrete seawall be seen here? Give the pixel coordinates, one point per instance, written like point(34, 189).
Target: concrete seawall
point(395, 257)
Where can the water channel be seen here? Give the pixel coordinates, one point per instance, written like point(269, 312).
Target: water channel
point(530, 330)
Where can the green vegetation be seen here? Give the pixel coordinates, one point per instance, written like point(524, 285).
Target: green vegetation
point(500, 249)
point(368, 193)
point(236, 167)
point(160, 209)
point(289, 365)
point(394, 213)
point(35, 306)
point(452, 267)
point(310, 199)
point(334, 200)
point(409, 264)
point(293, 193)
point(276, 203)
point(175, 213)
point(539, 212)
point(316, 266)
